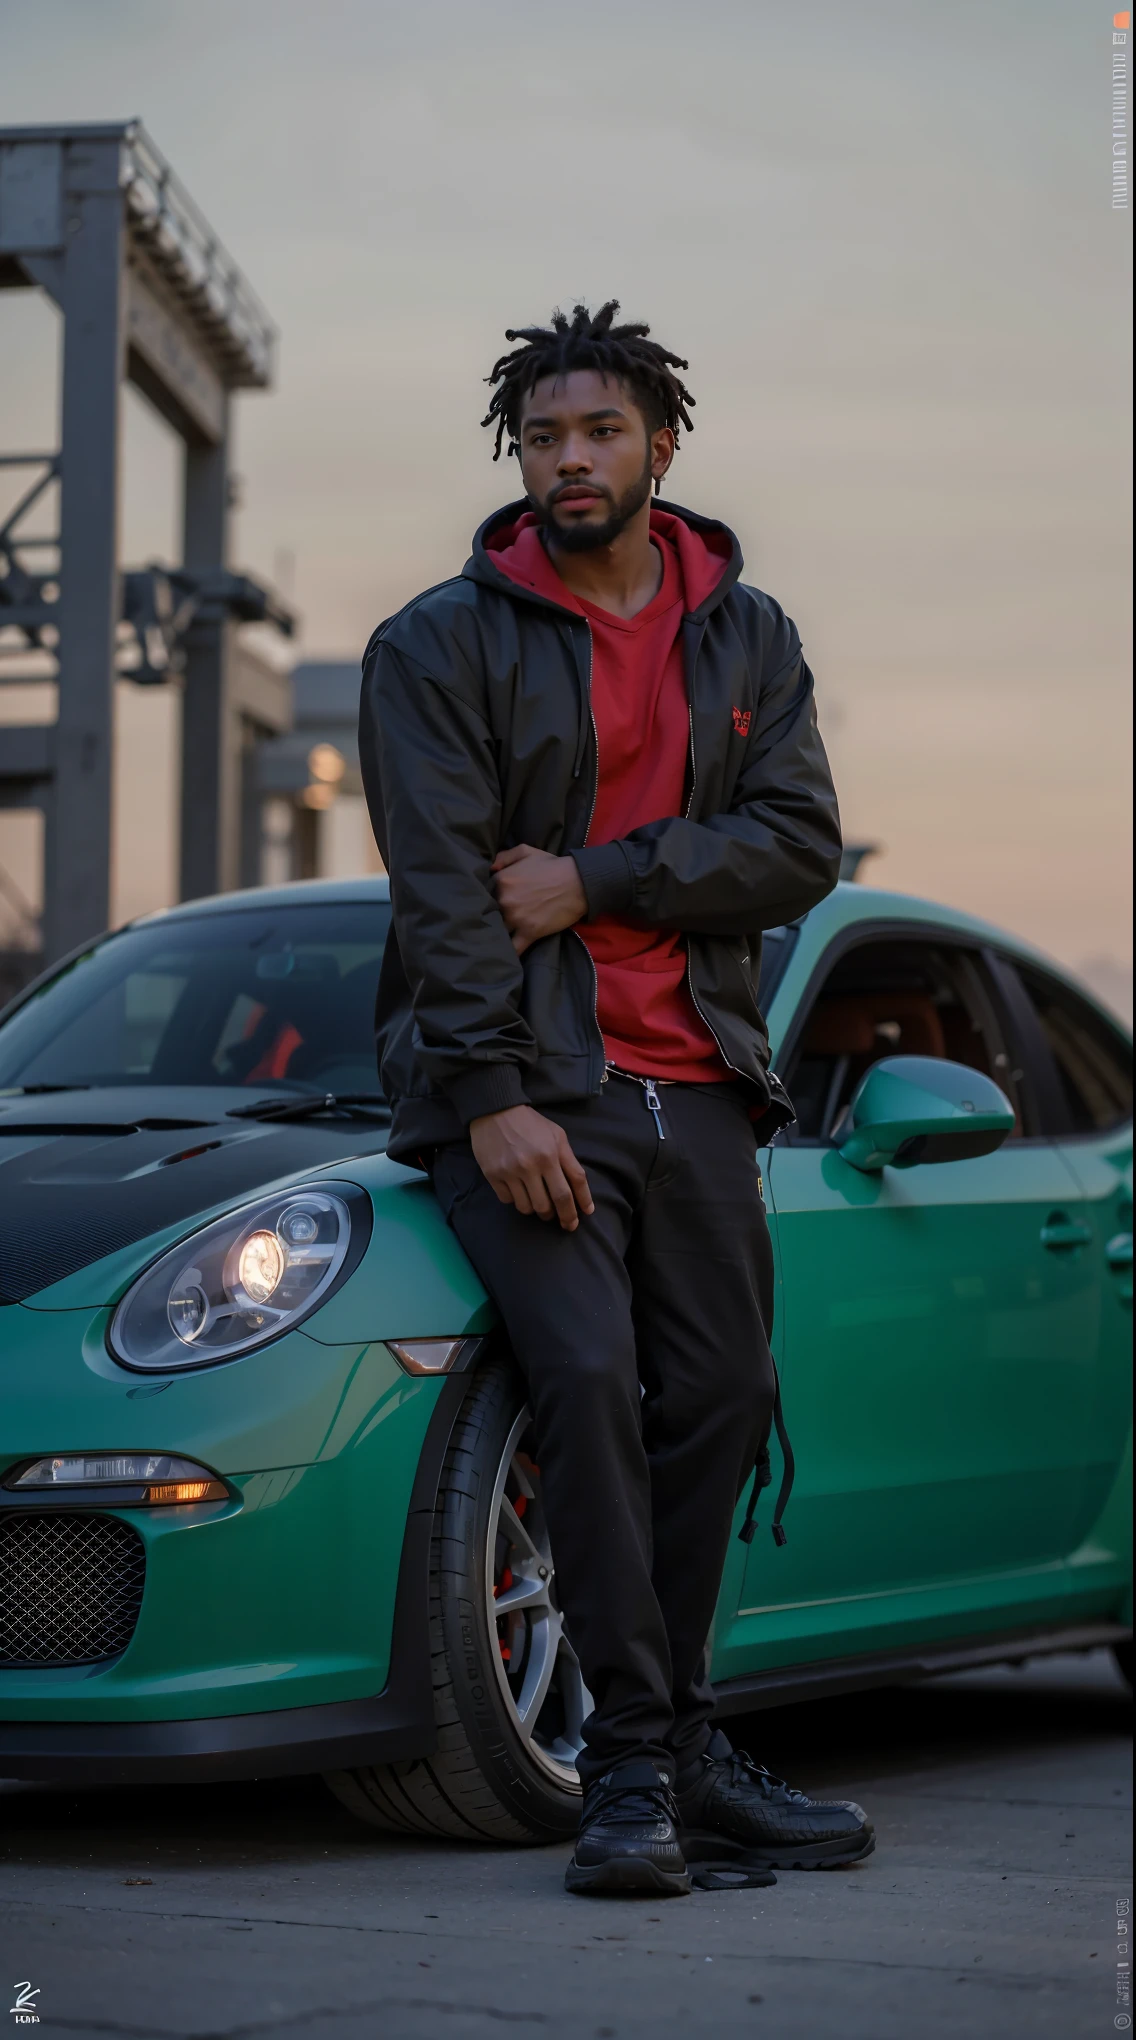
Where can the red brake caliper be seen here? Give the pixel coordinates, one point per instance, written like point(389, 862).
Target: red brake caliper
point(502, 1587)
point(506, 1580)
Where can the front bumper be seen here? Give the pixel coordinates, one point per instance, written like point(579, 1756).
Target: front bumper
point(283, 1630)
point(288, 1740)
point(383, 1726)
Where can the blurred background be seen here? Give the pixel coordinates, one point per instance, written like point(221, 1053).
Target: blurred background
point(884, 238)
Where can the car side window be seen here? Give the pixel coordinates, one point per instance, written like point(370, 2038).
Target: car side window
point(895, 996)
point(777, 946)
point(1093, 1060)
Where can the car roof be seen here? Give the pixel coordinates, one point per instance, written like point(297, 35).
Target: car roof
point(301, 892)
point(848, 902)
point(851, 901)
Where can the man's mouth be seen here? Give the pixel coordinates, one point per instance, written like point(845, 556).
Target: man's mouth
point(576, 495)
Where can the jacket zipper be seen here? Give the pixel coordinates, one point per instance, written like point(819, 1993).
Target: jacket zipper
point(693, 761)
point(686, 817)
point(587, 832)
point(595, 736)
point(709, 1029)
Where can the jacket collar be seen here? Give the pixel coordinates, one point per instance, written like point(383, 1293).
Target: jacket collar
point(481, 567)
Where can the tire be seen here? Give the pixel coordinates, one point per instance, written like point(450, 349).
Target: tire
point(504, 1768)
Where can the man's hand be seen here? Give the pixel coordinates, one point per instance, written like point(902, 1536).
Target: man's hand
point(529, 1163)
point(538, 894)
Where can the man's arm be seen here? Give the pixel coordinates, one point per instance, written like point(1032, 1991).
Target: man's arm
point(432, 787)
point(772, 857)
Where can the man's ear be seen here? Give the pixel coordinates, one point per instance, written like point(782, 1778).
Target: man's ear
point(662, 454)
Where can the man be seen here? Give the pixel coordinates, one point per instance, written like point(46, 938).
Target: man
point(594, 772)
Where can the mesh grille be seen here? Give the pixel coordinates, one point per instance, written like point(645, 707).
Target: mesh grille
point(70, 1587)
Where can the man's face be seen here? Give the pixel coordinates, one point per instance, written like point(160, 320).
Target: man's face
point(587, 458)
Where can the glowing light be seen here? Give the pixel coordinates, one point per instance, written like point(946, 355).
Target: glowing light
point(186, 1491)
point(327, 763)
point(260, 1266)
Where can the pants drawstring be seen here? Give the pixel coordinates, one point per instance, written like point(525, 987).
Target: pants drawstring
point(762, 1476)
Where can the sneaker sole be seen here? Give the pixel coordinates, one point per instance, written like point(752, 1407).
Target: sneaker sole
point(626, 1874)
point(818, 1856)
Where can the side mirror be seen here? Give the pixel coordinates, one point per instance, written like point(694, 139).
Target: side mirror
point(914, 1108)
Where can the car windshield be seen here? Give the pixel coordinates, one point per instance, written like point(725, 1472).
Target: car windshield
point(274, 996)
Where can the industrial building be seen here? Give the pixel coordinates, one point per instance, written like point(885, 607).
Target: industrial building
point(94, 218)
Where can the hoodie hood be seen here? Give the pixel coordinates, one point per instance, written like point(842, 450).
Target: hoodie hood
point(708, 551)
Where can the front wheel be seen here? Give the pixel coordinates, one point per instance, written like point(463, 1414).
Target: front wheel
point(509, 1699)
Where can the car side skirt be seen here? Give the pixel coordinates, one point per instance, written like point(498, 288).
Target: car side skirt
point(832, 1676)
point(398, 1723)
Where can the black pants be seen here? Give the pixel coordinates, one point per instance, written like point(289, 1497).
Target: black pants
point(667, 1288)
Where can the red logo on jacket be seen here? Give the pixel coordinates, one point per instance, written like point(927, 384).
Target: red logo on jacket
point(742, 721)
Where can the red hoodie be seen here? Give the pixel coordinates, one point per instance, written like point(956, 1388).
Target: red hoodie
point(648, 1019)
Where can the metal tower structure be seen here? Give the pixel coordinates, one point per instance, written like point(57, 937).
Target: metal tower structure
point(93, 216)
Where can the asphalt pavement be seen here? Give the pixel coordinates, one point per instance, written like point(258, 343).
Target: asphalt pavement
point(1001, 1801)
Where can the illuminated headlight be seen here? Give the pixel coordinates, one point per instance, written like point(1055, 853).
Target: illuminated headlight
point(241, 1281)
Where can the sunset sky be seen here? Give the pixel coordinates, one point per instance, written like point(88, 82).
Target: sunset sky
point(881, 233)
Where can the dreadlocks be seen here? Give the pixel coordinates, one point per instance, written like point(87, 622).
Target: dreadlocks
point(623, 352)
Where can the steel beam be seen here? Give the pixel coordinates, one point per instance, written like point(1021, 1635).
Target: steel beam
point(166, 362)
point(78, 847)
point(27, 761)
point(210, 746)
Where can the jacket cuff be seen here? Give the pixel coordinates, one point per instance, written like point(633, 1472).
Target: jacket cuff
point(607, 878)
point(486, 1087)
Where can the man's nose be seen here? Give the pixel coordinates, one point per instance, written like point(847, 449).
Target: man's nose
point(575, 457)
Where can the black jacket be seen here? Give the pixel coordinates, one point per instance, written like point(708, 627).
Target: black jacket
point(476, 734)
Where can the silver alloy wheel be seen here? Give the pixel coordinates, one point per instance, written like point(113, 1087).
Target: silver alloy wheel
point(537, 1668)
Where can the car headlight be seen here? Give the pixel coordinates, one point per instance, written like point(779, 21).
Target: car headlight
point(239, 1282)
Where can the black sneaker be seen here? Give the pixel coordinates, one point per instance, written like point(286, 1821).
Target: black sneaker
point(733, 1808)
point(628, 1839)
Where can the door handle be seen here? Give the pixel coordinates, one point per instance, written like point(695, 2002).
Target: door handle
point(1061, 1234)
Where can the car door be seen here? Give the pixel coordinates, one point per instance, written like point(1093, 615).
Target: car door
point(1083, 1082)
point(931, 1342)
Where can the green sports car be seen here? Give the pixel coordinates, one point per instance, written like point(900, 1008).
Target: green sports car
point(269, 1495)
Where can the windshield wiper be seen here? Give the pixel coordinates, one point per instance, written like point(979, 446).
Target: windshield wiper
point(349, 1104)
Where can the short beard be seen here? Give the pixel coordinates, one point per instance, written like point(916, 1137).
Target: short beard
point(582, 538)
